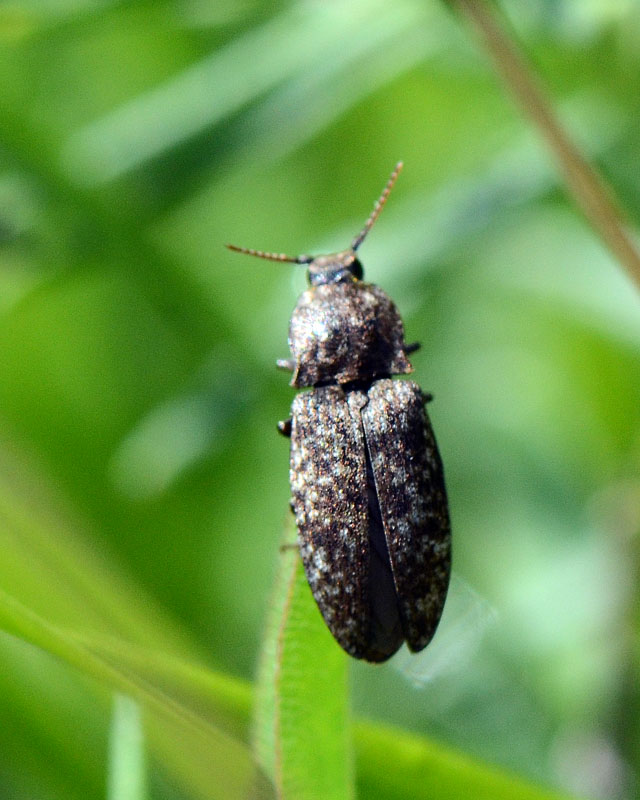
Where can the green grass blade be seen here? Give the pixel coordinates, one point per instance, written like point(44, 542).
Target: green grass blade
point(396, 765)
point(302, 727)
point(214, 765)
point(127, 770)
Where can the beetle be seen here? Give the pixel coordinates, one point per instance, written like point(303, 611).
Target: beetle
point(367, 481)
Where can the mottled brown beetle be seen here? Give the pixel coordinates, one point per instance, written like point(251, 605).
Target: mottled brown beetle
point(367, 482)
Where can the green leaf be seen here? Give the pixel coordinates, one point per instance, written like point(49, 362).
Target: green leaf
point(212, 764)
point(302, 726)
point(395, 765)
point(127, 771)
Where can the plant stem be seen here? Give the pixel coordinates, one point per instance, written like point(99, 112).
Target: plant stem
point(592, 194)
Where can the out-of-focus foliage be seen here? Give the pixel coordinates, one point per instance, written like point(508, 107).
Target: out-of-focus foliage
point(139, 463)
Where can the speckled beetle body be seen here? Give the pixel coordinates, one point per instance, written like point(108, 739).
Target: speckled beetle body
point(366, 477)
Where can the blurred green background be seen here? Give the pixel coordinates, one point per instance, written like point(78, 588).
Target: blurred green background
point(138, 395)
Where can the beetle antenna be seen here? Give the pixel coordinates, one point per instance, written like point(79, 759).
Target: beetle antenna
point(378, 207)
point(270, 256)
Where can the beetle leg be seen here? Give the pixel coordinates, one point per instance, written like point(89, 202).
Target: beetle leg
point(287, 364)
point(284, 426)
point(411, 348)
point(427, 397)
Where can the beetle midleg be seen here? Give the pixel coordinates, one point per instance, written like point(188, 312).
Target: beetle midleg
point(411, 348)
point(284, 427)
point(287, 364)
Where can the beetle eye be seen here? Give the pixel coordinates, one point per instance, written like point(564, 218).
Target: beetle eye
point(356, 269)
